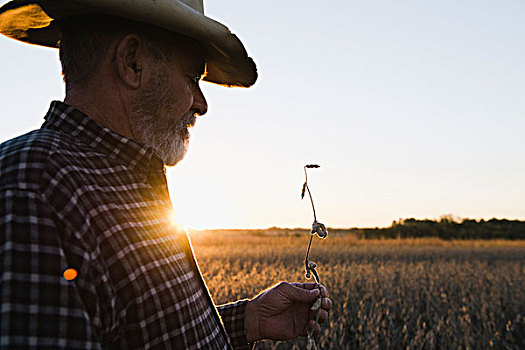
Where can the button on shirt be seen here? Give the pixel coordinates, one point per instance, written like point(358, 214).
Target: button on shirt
point(77, 196)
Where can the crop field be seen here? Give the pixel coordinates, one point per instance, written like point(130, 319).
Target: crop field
point(387, 294)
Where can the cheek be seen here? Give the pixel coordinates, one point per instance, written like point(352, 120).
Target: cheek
point(183, 97)
point(178, 100)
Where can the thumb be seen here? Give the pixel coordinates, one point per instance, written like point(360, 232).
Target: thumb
point(300, 294)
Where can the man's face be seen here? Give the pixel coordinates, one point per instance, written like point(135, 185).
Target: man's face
point(169, 102)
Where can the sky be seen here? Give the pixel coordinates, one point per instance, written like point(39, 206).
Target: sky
point(412, 109)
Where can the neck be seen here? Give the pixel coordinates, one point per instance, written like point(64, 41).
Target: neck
point(101, 105)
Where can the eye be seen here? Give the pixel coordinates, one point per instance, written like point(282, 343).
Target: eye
point(196, 79)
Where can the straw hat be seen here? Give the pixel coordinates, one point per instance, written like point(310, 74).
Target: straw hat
point(227, 63)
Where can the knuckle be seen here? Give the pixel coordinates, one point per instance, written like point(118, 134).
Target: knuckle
point(323, 316)
point(327, 303)
point(281, 285)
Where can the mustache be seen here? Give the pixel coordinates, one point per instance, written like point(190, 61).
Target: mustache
point(189, 119)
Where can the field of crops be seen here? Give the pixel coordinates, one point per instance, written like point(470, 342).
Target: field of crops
point(388, 294)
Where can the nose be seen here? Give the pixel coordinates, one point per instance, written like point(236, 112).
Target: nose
point(199, 102)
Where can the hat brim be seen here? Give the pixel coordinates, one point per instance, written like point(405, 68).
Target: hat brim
point(227, 62)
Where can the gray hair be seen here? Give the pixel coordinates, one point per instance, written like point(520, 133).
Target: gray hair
point(85, 40)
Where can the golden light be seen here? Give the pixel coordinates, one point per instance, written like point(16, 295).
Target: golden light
point(70, 274)
point(203, 207)
point(204, 216)
point(173, 222)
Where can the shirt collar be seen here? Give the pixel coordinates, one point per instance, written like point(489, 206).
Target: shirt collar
point(71, 121)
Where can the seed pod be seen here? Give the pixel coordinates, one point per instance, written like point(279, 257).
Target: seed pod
point(315, 227)
point(302, 192)
point(320, 229)
point(324, 232)
point(313, 166)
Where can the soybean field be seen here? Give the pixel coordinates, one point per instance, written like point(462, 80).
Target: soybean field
point(387, 294)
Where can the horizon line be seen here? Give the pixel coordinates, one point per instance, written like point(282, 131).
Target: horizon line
point(255, 228)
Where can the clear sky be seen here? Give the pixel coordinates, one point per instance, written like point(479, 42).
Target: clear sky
point(412, 108)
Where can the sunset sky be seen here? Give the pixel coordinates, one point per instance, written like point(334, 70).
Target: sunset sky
point(412, 108)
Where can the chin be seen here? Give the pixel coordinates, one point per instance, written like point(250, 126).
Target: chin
point(172, 161)
point(176, 155)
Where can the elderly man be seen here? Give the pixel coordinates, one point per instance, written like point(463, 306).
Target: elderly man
point(88, 255)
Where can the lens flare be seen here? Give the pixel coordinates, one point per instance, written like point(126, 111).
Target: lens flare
point(70, 274)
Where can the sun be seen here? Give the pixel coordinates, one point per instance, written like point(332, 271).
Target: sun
point(195, 213)
point(202, 207)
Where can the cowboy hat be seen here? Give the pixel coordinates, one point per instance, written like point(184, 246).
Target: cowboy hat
point(227, 63)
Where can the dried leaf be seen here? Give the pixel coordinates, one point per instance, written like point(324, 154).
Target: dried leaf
point(310, 343)
point(302, 192)
point(317, 304)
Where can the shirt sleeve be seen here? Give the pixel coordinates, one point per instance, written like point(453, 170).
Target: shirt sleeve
point(232, 316)
point(39, 307)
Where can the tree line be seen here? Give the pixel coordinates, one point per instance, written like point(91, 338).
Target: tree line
point(447, 227)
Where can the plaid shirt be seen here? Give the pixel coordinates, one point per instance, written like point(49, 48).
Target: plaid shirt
point(75, 195)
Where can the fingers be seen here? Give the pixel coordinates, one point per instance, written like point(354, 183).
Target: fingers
point(324, 293)
point(296, 293)
point(304, 285)
point(326, 303)
point(312, 285)
point(323, 315)
point(315, 326)
point(326, 306)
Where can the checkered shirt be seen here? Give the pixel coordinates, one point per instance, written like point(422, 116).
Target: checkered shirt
point(75, 195)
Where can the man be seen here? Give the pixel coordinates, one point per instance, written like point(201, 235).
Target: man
point(88, 256)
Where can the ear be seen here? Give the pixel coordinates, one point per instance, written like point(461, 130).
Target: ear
point(129, 57)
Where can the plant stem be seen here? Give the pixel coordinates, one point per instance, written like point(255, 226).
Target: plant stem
point(309, 193)
point(308, 250)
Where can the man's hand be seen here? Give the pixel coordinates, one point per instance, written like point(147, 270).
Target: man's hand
point(283, 312)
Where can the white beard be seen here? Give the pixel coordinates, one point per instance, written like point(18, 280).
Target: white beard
point(169, 142)
point(151, 124)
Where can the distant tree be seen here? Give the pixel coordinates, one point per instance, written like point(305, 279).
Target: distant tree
point(449, 227)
